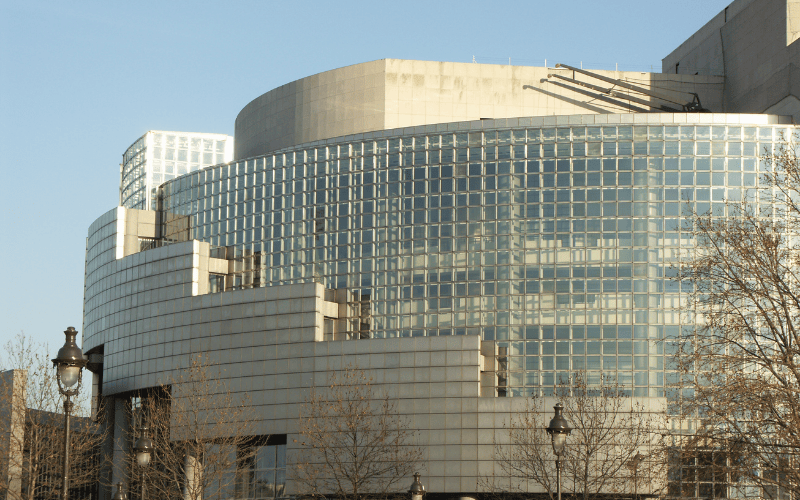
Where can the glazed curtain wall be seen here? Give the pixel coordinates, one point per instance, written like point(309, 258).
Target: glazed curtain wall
point(157, 157)
point(555, 242)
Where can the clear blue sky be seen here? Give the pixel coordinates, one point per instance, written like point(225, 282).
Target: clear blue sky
point(80, 81)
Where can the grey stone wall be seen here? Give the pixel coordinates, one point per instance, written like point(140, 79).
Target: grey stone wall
point(150, 315)
point(12, 431)
point(394, 93)
point(754, 45)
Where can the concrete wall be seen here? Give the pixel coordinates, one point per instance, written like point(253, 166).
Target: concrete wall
point(754, 45)
point(393, 93)
point(149, 314)
point(13, 408)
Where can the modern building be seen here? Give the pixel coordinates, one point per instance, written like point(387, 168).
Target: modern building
point(469, 234)
point(160, 156)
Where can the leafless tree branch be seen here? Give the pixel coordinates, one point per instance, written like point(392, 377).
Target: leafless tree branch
point(354, 445)
point(741, 380)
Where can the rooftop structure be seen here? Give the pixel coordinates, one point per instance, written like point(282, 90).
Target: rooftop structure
point(160, 156)
point(392, 93)
point(753, 45)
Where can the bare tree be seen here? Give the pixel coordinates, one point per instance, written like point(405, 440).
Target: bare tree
point(615, 446)
point(32, 417)
point(354, 445)
point(202, 437)
point(741, 366)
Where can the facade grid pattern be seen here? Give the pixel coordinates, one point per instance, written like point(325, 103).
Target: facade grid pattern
point(554, 242)
point(157, 157)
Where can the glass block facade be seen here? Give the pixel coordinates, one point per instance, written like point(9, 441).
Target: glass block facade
point(160, 156)
point(554, 241)
point(263, 474)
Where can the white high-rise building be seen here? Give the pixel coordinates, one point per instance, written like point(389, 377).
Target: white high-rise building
point(159, 156)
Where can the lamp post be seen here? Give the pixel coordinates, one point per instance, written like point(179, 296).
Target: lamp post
point(634, 465)
point(119, 495)
point(417, 490)
point(69, 365)
point(143, 450)
point(559, 429)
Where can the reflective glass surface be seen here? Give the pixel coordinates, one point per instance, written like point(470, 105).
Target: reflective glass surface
point(556, 243)
point(157, 157)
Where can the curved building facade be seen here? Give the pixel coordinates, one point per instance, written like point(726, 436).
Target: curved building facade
point(470, 235)
point(463, 265)
point(553, 240)
point(394, 93)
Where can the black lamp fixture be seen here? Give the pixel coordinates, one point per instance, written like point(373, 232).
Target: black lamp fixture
point(634, 466)
point(559, 429)
point(143, 448)
point(417, 490)
point(143, 451)
point(69, 365)
point(119, 495)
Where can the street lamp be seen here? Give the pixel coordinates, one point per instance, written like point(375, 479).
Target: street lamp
point(417, 489)
point(143, 450)
point(69, 364)
point(119, 495)
point(633, 464)
point(559, 429)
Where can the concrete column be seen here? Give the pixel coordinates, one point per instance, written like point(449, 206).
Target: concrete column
point(106, 489)
point(122, 441)
point(193, 468)
point(13, 408)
